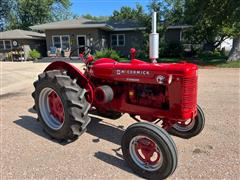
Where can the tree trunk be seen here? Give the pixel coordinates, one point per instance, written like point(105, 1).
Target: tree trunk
point(234, 54)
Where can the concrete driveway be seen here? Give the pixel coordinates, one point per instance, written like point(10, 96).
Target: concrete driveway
point(27, 152)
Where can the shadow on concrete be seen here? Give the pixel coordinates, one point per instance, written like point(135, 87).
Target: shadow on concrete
point(30, 123)
point(117, 162)
point(32, 110)
point(104, 130)
point(96, 128)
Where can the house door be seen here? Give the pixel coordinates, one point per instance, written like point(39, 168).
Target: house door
point(81, 42)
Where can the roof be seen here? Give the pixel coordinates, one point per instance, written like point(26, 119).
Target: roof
point(21, 34)
point(82, 23)
point(179, 26)
point(125, 25)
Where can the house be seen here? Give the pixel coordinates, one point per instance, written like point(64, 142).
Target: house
point(175, 33)
point(22, 42)
point(70, 34)
point(227, 44)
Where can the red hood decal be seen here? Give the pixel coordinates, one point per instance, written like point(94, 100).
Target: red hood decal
point(139, 70)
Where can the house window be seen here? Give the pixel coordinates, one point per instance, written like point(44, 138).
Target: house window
point(61, 42)
point(57, 41)
point(8, 45)
point(114, 40)
point(5, 45)
point(2, 45)
point(118, 39)
point(65, 42)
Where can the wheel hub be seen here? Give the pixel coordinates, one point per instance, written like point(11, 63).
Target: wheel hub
point(146, 153)
point(185, 126)
point(51, 108)
point(56, 106)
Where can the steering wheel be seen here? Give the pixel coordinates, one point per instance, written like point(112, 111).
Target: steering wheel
point(82, 56)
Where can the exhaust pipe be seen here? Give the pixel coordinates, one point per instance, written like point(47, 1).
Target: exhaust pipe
point(154, 40)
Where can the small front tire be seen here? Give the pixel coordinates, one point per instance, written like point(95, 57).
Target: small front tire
point(149, 151)
point(189, 128)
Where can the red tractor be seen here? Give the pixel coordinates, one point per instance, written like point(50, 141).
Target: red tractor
point(153, 93)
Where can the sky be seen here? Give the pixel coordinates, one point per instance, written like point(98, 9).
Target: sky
point(102, 7)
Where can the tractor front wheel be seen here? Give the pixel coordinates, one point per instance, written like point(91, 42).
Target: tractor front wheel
point(61, 105)
point(149, 150)
point(191, 127)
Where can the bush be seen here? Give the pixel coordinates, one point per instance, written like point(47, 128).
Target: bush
point(171, 50)
point(162, 48)
point(210, 54)
point(142, 55)
point(107, 53)
point(34, 54)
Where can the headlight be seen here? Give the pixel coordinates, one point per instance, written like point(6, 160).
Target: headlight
point(160, 79)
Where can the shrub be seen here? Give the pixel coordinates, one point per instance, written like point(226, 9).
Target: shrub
point(107, 53)
point(210, 54)
point(162, 49)
point(34, 54)
point(171, 50)
point(174, 50)
point(142, 55)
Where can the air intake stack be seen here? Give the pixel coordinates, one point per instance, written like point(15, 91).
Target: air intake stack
point(154, 40)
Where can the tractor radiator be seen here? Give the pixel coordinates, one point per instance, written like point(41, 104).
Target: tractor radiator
point(189, 100)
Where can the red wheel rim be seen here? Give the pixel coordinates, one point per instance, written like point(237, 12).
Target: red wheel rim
point(146, 153)
point(56, 106)
point(184, 126)
point(185, 123)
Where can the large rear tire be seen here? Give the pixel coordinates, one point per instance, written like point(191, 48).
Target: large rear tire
point(61, 105)
point(149, 150)
point(189, 128)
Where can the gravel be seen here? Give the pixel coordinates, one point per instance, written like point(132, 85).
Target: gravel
point(27, 152)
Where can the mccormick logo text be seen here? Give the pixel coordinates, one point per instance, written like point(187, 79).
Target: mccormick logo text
point(132, 72)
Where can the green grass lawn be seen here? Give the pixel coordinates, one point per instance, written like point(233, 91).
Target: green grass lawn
point(217, 62)
point(233, 64)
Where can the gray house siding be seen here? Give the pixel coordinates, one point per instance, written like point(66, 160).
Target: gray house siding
point(33, 44)
point(39, 45)
point(133, 39)
point(104, 37)
point(173, 35)
point(27, 44)
point(98, 39)
point(91, 36)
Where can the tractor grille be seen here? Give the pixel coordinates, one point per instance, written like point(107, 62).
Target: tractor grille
point(189, 100)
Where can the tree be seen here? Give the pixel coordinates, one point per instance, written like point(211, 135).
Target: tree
point(5, 6)
point(61, 12)
point(213, 21)
point(234, 54)
point(96, 18)
point(25, 13)
point(128, 13)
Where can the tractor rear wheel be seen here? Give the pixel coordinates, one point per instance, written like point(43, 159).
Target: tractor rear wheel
point(149, 150)
point(189, 128)
point(61, 105)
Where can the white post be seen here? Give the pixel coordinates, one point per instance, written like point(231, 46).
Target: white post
point(154, 22)
point(154, 40)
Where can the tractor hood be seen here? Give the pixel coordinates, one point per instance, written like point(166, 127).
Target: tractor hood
point(139, 71)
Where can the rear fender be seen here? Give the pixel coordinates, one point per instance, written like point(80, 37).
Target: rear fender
point(74, 73)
